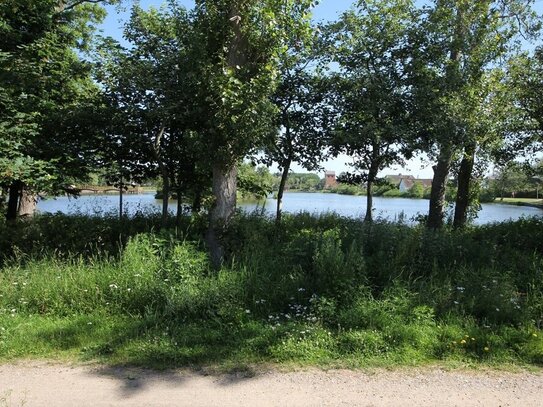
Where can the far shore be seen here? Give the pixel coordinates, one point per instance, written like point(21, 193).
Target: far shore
point(531, 202)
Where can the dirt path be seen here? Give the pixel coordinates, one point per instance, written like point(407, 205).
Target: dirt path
point(43, 384)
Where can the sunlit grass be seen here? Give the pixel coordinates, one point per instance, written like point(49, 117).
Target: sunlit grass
point(326, 291)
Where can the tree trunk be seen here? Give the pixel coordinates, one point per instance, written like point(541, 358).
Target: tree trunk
point(464, 187)
point(224, 207)
point(27, 203)
point(179, 212)
point(439, 184)
point(369, 201)
point(165, 196)
point(225, 170)
point(282, 184)
point(121, 199)
point(13, 201)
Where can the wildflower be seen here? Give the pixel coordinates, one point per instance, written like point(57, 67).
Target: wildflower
point(113, 286)
point(497, 310)
point(456, 303)
point(463, 341)
point(486, 349)
point(89, 323)
point(461, 289)
point(247, 311)
point(472, 339)
point(128, 289)
point(534, 335)
point(301, 290)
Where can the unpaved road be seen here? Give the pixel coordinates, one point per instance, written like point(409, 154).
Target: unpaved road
point(44, 384)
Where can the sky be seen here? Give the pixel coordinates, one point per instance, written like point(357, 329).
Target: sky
point(326, 10)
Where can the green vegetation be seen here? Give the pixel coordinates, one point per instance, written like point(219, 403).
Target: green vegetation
point(196, 94)
point(325, 291)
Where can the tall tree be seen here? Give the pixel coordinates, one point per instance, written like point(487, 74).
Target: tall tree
point(46, 87)
point(150, 87)
point(242, 41)
point(372, 95)
point(456, 43)
point(526, 83)
point(303, 119)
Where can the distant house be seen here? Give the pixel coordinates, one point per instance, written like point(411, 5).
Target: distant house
point(405, 182)
point(330, 180)
point(402, 182)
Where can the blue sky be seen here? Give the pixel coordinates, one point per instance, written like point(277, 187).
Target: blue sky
point(326, 10)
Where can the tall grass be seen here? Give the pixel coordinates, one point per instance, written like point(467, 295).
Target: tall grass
point(317, 290)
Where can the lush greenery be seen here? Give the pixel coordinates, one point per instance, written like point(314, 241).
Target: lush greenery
point(197, 98)
point(326, 290)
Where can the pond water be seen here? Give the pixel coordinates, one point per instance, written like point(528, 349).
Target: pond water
point(352, 206)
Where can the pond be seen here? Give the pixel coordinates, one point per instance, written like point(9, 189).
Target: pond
point(352, 206)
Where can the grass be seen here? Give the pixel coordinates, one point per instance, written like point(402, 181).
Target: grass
point(521, 201)
point(318, 291)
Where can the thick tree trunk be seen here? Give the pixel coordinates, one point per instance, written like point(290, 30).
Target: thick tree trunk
point(439, 184)
point(369, 201)
point(464, 187)
point(225, 175)
point(282, 184)
point(224, 207)
point(13, 201)
point(27, 203)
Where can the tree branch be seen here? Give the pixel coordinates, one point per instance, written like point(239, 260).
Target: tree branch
point(64, 8)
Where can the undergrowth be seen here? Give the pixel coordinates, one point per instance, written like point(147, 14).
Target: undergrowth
point(327, 291)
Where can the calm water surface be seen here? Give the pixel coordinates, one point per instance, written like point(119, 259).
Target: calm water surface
point(352, 206)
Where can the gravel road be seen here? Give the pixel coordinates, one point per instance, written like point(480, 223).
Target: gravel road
point(48, 384)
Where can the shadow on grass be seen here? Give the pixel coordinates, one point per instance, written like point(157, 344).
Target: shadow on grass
point(138, 352)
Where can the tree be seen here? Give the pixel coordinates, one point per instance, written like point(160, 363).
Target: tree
point(254, 183)
point(150, 87)
point(510, 179)
point(485, 112)
point(526, 84)
point(456, 43)
point(371, 93)
point(303, 118)
point(47, 97)
point(241, 42)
